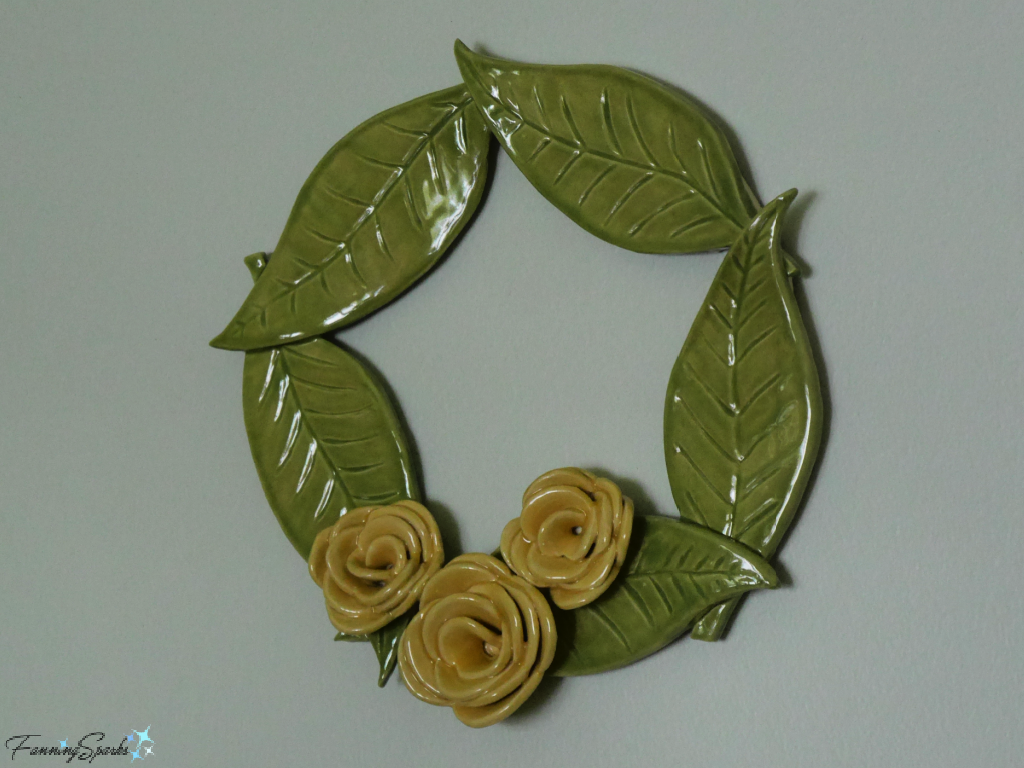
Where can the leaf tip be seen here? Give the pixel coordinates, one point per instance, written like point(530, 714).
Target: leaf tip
point(225, 340)
point(768, 577)
point(463, 53)
point(464, 57)
point(773, 212)
point(256, 263)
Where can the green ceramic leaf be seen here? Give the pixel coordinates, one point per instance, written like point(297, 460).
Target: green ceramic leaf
point(675, 572)
point(298, 522)
point(374, 216)
point(626, 158)
point(323, 434)
point(385, 645)
point(351, 638)
point(743, 409)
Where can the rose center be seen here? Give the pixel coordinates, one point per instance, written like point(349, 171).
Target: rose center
point(491, 649)
point(577, 529)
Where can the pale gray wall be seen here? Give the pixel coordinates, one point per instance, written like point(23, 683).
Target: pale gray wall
point(145, 148)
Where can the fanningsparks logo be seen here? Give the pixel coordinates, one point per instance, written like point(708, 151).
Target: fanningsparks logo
point(138, 745)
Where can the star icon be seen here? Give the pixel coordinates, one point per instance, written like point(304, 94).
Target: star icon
point(63, 744)
point(129, 737)
point(149, 750)
point(144, 736)
point(136, 756)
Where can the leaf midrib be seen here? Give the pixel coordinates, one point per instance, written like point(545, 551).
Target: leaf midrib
point(580, 146)
point(734, 414)
point(670, 571)
point(321, 452)
point(379, 199)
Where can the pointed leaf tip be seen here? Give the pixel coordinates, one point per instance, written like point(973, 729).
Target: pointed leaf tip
point(255, 263)
point(776, 208)
point(747, 347)
point(220, 341)
point(676, 572)
point(357, 238)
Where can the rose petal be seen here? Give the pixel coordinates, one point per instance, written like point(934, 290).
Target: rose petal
point(625, 531)
point(604, 518)
point(471, 647)
point(417, 666)
point(460, 574)
point(342, 544)
point(544, 630)
point(459, 605)
point(318, 557)
point(547, 571)
point(547, 501)
point(385, 523)
point(516, 627)
point(570, 476)
point(385, 557)
point(557, 536)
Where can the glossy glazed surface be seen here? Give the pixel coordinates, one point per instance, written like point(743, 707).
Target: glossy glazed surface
point(743, 408)
point(630, 160)
point(571, 537)
point(481, 641)
point(639, 165)
point(293, 509)
point(385, 644)
point(374, 216)
point(674, 573)
point(373, 562)
point(323, 434)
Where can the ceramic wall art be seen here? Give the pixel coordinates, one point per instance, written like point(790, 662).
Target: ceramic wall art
point(578, 584)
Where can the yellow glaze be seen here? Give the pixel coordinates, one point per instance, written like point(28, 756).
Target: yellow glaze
point(481, 641)
point(571, 536)
point(374, 562)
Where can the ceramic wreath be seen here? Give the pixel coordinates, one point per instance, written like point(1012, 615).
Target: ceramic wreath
point(582, 585)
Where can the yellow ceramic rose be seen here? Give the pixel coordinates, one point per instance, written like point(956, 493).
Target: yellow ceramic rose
point(572, 535)
point(374, 562)
point(480, 643)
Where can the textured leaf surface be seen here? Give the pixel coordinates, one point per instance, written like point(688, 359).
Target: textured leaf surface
point(323, 435)
point(374, 216)
point(675, 572)
point(385, 645)
point(743, 409)
point(625, 157)
point(385, 640)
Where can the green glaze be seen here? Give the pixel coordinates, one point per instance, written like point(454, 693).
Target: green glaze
point(674, 573)
point(351, 638)
point(626, 158)
point(635, 163)
point(343, 417)
point(374, 216)
point(385, 645)
point(323, 434)
point(743, 408)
